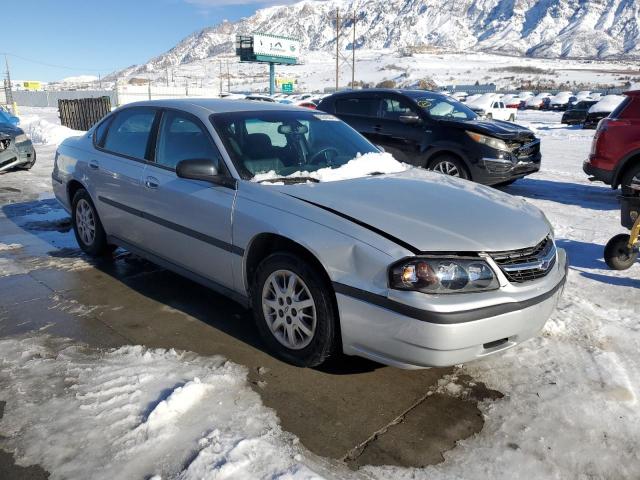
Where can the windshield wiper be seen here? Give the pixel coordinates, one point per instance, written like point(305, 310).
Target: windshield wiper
point(290, 180)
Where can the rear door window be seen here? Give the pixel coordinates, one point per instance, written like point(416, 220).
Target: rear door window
point(620, 108)
point(393, 108)
point(130, 131)
point(361, 106)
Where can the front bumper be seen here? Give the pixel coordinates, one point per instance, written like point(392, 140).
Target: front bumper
point(396, 337)
point(17, 155)
point(490, 171)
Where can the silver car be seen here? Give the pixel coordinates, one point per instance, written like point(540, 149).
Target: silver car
point(16, 150)
point(411, 269)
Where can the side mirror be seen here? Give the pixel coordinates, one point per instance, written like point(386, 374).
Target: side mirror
point(198, 169)
point(410, 119)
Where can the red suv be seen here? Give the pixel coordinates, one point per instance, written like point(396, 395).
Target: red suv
point(615, 151)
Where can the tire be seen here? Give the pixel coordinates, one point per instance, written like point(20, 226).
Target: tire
point(490, 116)
point(627, 178)
point(83, 216)
point(512, 118)
point(444, 164)
point(617, 253)
point(280, 324)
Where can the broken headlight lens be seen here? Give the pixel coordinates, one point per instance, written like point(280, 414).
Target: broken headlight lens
point(443, 275)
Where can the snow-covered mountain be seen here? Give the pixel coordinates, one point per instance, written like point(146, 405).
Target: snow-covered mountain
point(538, 28)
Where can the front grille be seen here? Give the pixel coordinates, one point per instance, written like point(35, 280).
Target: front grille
point(527, 263)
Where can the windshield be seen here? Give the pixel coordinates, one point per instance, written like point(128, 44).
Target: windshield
point(284, 143)
point(443, 107)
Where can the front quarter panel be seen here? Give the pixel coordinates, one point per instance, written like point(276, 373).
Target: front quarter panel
point(350, 254)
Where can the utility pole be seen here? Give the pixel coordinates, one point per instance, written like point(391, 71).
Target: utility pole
point(167, 72)
point(8, 88)
point(337, 46)
point(228, 78)
point(353, 53)
point(100, 81)
point(220, 63)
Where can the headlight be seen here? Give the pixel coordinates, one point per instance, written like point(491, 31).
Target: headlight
point(442, 275)
point(22, 138)
point(489, 141)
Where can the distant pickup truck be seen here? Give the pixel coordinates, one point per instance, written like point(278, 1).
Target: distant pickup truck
point(491, 106)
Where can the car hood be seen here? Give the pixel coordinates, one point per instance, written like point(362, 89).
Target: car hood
point(494, 128)
point(429, 211)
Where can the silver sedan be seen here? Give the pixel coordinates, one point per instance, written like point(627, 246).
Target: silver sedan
point(335, 246)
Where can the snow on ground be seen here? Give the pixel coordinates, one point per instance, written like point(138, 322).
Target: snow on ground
point(570, 410)
point(42, 125)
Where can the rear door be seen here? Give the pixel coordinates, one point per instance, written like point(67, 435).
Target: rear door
point(118, 163)
point(188, 221)
point(402, 140)
point(361, 112)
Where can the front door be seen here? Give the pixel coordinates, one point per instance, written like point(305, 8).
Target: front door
point(402, 140)
point(188, 222)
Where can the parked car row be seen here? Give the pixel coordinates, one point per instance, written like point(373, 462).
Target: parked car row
point(589, 112)
point(280, 209)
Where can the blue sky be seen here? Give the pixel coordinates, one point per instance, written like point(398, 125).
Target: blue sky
point(94, 37)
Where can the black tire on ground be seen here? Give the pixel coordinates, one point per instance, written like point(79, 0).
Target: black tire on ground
point(627, 178)
point(617, 253)
point(512, 118)
point(506, 183)
point(442, 160)
point(99, 246)
point(324, 341)
point(27, 166)
point(490, 116)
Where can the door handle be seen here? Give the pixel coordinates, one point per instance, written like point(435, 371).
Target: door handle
point(94, 164)
point(151, 182)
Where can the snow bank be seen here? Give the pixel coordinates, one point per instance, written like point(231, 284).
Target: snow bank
point(361, 166)
point(43, 131)
point(607, 104)
point(134, 412)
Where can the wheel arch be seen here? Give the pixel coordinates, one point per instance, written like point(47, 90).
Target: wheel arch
point(436, 153)
point(72, 187)
point(264, 244)
point(629, 161)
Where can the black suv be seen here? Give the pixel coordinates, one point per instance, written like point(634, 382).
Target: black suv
point(577, 114)
point(437, 132)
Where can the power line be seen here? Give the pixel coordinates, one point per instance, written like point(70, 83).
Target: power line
point(52, 65)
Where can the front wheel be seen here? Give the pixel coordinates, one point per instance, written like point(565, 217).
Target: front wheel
point(87, 226)
point(617, 253)
point(293, 309)
point(449, 165)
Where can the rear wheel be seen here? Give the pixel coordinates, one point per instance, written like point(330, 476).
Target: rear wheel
point(449, 165)
point(87, 226)
point(630, 177)
point(617, 253)
point(490, 116)
point(512, 118)
point(293, 310)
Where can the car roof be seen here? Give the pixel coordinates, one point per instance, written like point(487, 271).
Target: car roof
point(213, 105)
point(399, 91)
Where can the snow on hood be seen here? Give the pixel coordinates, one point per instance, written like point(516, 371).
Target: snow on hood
point(361, 166)
point(608, 103)
point(484, 101)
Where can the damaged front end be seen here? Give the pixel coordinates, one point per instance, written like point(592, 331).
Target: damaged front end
point(16, 150)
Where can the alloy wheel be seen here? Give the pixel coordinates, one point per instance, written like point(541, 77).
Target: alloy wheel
point(85, 222)
point(447, 168)
point(289, 309)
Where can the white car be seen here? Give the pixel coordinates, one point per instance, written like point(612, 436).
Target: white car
point(491, 106)
point(536, 102)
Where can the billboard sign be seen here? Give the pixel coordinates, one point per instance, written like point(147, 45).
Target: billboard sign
point(275, 46)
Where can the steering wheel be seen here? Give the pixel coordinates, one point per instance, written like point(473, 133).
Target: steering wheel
point(323, 151)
